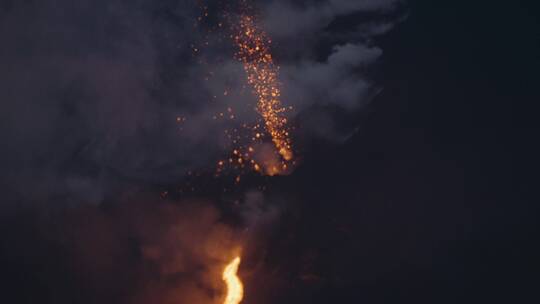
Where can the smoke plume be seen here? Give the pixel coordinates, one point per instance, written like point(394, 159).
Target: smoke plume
point(103, 99)
point(93, 91)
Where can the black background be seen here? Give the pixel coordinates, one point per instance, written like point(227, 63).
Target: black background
point(431, 200)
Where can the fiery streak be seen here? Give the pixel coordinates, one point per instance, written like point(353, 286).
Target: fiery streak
point(235, 289)
point(264, 146)
point(262, 75)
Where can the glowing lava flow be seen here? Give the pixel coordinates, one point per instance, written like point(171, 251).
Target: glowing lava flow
point(235, 289)
point(262, 75)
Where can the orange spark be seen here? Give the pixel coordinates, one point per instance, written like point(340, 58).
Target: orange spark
point(262, 75)
point(235, 289)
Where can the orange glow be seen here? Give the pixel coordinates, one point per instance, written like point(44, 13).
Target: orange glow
point(235, 289)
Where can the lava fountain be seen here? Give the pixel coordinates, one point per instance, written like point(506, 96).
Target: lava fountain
point(235, 289)
point(262, 74)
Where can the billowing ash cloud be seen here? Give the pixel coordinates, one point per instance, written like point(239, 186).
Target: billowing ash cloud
point(91, 90)
point(296, 19)
point(326, 48)
point(100, 96)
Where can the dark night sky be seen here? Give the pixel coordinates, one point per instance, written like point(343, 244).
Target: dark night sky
point(429, 202)
point(437, 207)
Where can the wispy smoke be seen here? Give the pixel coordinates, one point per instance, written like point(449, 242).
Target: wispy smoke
point(328, 51)
point(307, 19)
point(100, 96)
point(91, 90)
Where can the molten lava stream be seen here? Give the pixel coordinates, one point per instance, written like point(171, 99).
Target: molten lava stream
point(235, 289)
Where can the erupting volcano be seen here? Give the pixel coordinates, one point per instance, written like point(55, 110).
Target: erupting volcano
point(151, 147)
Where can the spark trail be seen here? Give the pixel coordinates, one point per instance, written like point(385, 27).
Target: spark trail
point(262, 74)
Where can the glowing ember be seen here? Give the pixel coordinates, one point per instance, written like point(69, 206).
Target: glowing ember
point(262, 75)
point(235, 289)
point(265, 145)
